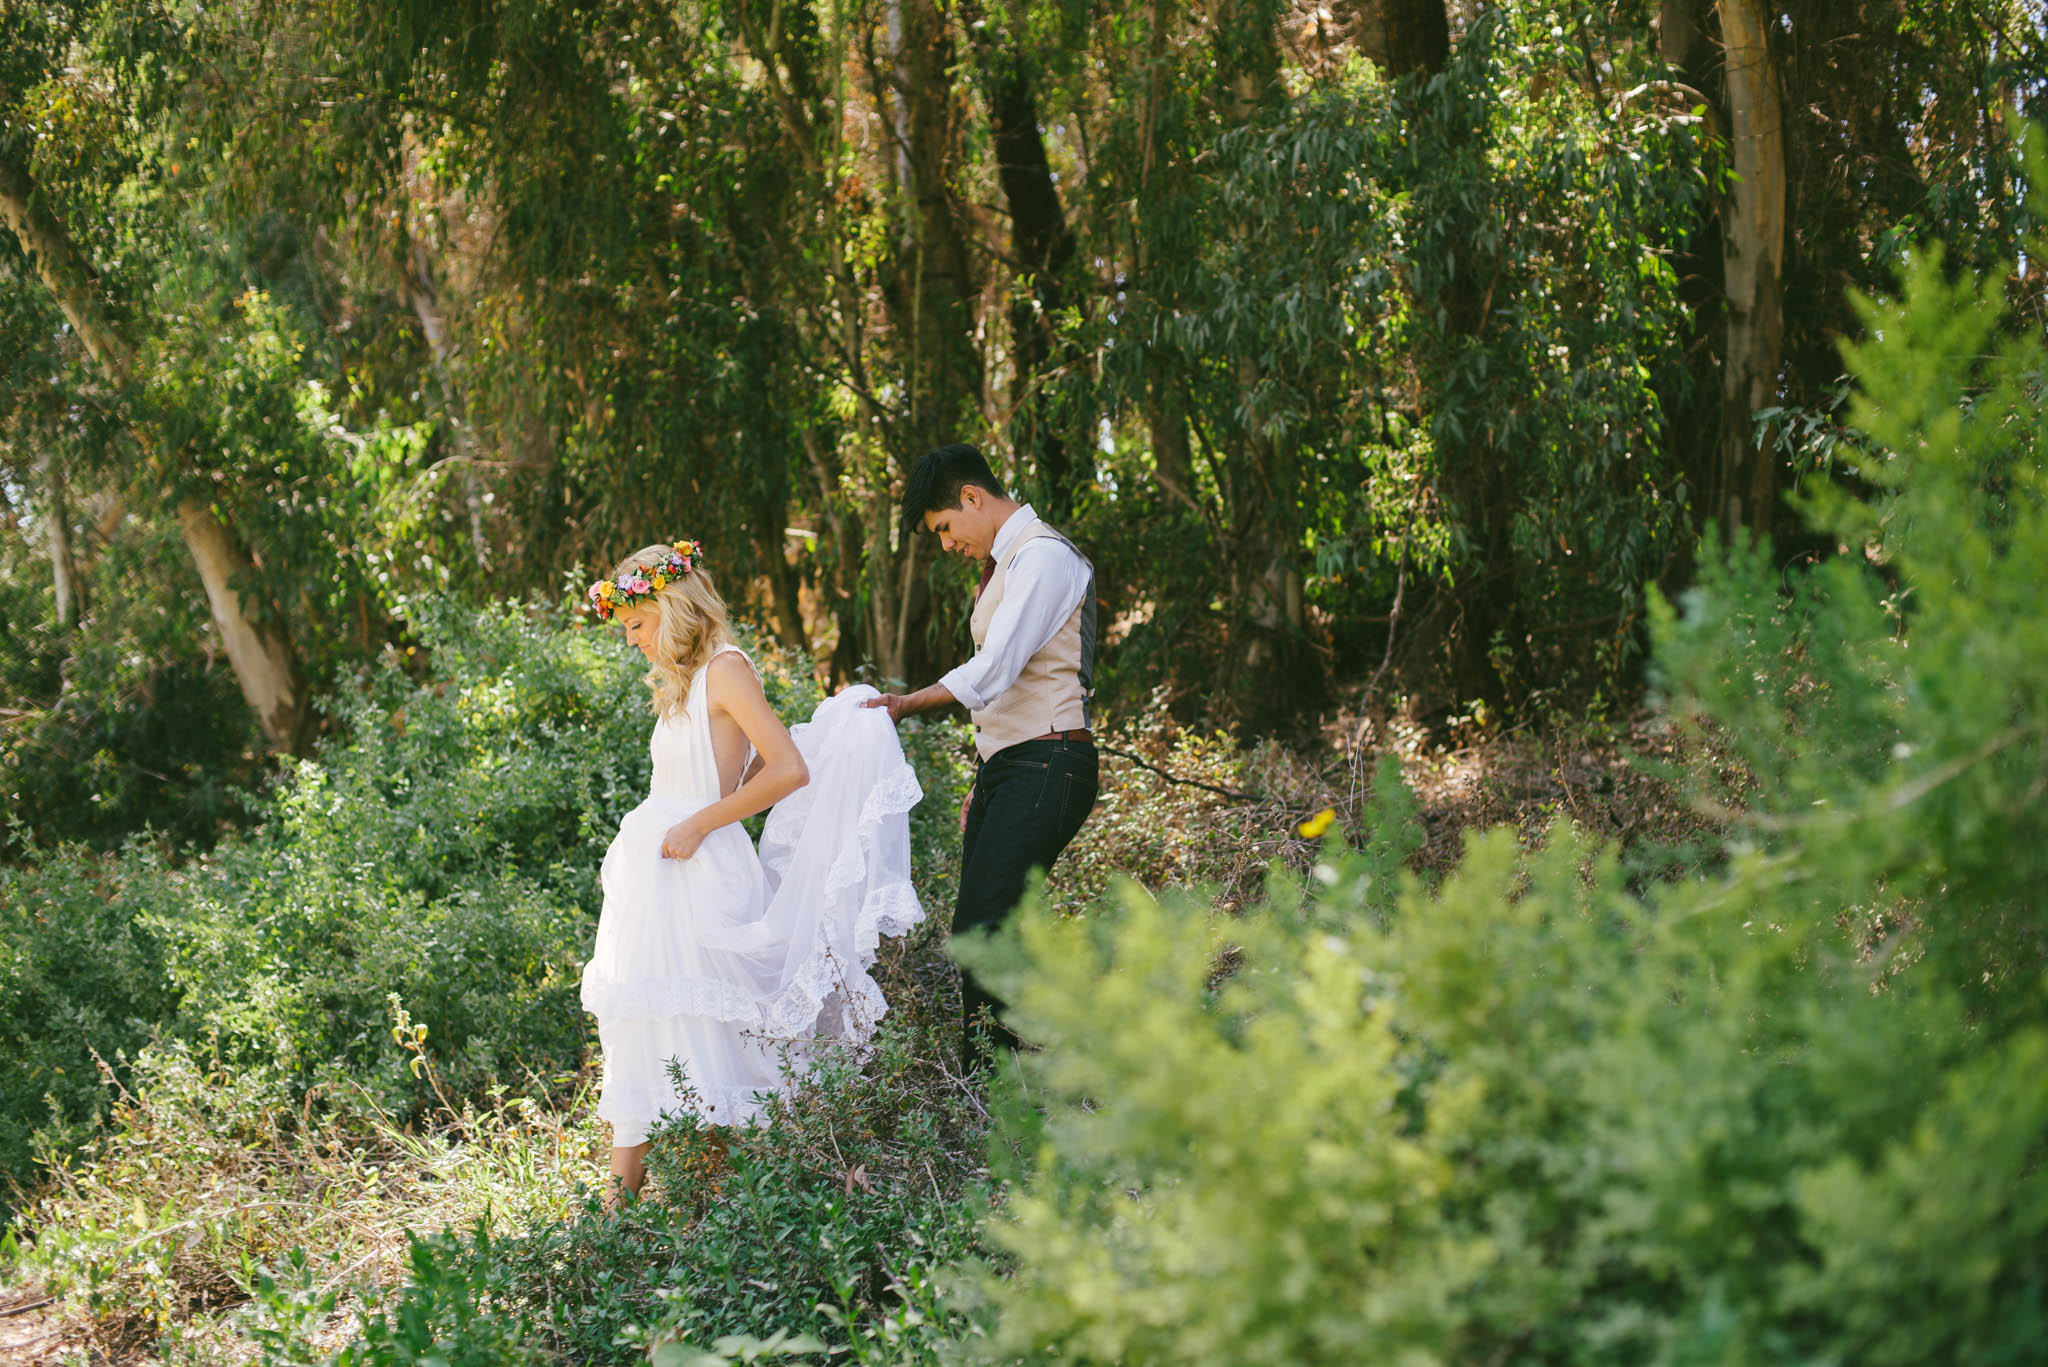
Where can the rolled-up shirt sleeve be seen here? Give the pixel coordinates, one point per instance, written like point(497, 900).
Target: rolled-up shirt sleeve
point(1043, 586)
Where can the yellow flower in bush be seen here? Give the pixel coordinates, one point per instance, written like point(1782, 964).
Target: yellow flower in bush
point(1313, 828)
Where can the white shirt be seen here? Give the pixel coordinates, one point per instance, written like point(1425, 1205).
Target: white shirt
point(1044, 581)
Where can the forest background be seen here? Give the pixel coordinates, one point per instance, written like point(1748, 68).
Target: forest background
point(1395, 334)
point(1391, 360)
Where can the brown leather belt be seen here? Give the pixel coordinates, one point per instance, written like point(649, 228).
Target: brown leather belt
point(1082, 735)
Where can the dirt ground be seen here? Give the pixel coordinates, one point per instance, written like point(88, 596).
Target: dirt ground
point(31, 1331)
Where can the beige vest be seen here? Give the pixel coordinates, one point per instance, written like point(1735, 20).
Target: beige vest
point(1051, 694)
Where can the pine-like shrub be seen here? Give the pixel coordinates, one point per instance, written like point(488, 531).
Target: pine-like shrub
point(1796, 1111)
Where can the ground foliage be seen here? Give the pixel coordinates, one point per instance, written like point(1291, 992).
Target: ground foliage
point(218, 1159)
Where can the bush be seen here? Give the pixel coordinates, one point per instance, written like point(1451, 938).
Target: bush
point(444, 847)
point(820, 1231)
point(836, 1215)
point(128, 724)
point(78, 976)
point(1789, 1112)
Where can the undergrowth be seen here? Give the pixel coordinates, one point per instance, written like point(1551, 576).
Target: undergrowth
point(232, 1209)
point(353, 1119)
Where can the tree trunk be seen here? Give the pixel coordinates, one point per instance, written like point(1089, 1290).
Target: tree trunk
point(1477, 480)
point(1692, 409)
point(1401, 37)
point(64, 578)
point(908, 655)
point(1753, 256)
point(1679, 37)
point(1262, 545)
point(63, 271)
point(885, 594)
point(1042, 246)
point(260, 653)
point(1166, 417)
point(782, 585)
point(261, 657)
point(416, 277)
point(933, 300)
point(1166, 421)
point(842, 591)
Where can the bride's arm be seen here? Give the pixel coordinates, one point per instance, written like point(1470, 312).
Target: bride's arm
point(732, 688)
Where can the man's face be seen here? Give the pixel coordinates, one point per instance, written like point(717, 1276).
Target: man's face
point(968, 530)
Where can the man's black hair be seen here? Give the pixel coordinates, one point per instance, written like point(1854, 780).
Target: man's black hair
point(936, 481)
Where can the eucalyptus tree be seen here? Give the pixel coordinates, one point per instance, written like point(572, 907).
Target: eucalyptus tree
point(1853, 130)
point(44, 433)
point(656, 279)
point(74, 78)
point(1369, 322)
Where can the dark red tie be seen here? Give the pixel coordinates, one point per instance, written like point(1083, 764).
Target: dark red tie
point(988, 572)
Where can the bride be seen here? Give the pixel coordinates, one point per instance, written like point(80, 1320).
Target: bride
point(722, 958)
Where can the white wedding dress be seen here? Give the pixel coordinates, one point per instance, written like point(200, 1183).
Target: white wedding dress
point(733, 958)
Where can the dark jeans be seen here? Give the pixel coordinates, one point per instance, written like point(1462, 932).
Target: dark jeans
point(1028, 802)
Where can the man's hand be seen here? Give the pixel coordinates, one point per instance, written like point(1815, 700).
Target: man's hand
point(894, 702)
point(682, 839)
point(901, 705)
point(966, 801)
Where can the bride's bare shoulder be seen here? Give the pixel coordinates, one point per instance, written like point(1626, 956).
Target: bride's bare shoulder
point(729, 673)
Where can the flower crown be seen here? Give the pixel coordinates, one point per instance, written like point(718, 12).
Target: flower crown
point(610, 596)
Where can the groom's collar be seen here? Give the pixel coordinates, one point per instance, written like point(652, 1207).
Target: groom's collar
point(1013, 528)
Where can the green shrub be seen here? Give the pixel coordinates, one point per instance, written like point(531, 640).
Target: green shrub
point(78, 976)
point(447, 851)
point(127, 724)
point(444, 847)
point(835, 1216)
point(1792, 1111)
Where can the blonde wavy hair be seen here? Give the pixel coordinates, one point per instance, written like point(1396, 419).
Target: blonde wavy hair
point(691, 623)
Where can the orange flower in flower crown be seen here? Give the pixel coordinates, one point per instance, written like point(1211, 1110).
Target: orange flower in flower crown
point(608, 596)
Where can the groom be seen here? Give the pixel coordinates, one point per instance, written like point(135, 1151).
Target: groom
point(1026, 689)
